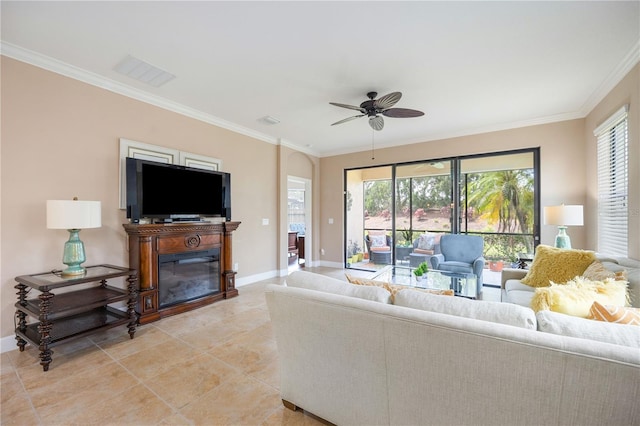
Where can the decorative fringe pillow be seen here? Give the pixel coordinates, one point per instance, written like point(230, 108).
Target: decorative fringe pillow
point(617, 314)
point(597, 272)
point(394, 288)
point(576, 296)
point(556, 264)
point(365, 281)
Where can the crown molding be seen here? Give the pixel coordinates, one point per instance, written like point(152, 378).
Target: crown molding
point(62, 68)
point(619, 72)
point(462, 133)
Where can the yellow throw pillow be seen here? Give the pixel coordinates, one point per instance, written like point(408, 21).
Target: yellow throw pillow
point(557, 265)
point(576, 296)
point(617, 314)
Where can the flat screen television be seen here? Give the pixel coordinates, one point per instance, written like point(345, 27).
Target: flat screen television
point(168, 191)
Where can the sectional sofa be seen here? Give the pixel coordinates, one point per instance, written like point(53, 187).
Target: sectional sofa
point(351, 357)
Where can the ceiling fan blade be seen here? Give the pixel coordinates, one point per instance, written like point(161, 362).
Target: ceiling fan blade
point(402, 113)
point(387, 101)
point(348, 119)
point(357, 108)
point(376, 123)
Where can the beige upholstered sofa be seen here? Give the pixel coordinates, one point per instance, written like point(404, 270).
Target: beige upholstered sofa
point(350, 357)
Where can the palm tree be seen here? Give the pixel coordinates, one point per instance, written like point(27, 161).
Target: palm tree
point(506, 198)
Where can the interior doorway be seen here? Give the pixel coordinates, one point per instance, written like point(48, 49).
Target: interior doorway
point(299, 221)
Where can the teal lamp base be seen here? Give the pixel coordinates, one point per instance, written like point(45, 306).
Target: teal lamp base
point(73, 255)
point(562, 239)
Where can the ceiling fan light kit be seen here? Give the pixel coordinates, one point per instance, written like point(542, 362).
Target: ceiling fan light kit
point(372, 108)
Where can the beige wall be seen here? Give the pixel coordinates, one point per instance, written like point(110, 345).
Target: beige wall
point(625, 92)
point(567, 168)
point(562, 159)
point(60, 139)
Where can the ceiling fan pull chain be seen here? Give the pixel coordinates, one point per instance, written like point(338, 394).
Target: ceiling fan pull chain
point(373, 152)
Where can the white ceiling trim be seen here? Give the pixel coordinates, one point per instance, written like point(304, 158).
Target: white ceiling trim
point(618, 73)
point(59, 67)
point(465, 132)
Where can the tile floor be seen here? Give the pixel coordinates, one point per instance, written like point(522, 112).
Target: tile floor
point(214, 365)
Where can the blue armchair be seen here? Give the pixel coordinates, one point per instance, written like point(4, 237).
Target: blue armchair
point(460, 253)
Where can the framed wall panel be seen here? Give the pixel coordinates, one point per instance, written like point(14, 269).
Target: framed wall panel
point(160, 154)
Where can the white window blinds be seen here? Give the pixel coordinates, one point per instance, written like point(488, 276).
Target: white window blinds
point(612, 151)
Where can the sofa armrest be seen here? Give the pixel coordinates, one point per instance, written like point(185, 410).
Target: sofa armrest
point(512, 274)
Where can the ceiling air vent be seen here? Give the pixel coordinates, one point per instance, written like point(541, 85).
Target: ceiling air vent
point(269, 120)
point(143, 71)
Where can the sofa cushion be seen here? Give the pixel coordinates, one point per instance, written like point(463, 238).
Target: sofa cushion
point(519, 297)
point(576, 296)
point(502, 313)
point(423, 251)
point(516, 285)
point(311, 281)
point(566, 325)
point(617, 314)
point(559, 265)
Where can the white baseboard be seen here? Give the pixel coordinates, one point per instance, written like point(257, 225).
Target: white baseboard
point(8, 343)
point(255, 278)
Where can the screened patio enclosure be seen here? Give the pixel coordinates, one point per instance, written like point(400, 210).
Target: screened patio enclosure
point(494, 195)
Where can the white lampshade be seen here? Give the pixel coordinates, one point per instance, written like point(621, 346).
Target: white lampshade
point(563, 215)
point(73, 214)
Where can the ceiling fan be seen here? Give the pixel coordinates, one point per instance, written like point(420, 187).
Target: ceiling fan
point(373, 107)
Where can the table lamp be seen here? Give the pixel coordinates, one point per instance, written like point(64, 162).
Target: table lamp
point(563, 216)
point(73, 215)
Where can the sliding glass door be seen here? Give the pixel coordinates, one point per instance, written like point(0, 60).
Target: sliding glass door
point(493, 195)
point(424, 199)
point(498, 201)
point(368, 225)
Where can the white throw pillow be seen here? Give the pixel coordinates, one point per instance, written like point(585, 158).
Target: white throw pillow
point(567, 325)
point(378, 241)
point(426, 241)
point(317, 282)
point(498, 312)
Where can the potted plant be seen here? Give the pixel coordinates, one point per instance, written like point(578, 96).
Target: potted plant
point(495, 264)
point(354, 252)
point(420, 271)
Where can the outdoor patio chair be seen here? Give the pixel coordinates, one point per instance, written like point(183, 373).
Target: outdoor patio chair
point(379, 247)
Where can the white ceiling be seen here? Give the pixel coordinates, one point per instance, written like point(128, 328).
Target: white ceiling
point(470, 66)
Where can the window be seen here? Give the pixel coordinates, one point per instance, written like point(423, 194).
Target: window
point(612, 152)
